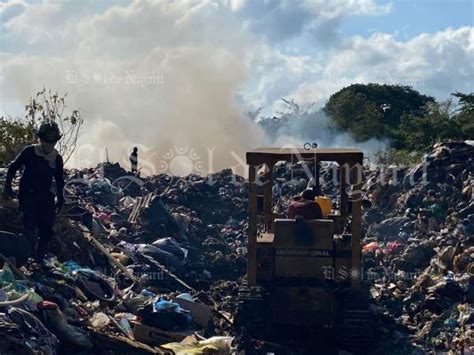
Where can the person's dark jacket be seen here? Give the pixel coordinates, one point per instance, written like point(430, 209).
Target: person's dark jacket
point(38, 173)
point(305, 208)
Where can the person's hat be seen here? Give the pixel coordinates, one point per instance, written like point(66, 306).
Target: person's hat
point(49, 132)
point(308, 194)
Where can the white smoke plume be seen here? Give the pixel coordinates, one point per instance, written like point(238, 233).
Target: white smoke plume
point(152, 75)
point(174, 77)
point(298, 126)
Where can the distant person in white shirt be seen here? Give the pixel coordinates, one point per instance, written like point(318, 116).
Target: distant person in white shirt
point(134, 160)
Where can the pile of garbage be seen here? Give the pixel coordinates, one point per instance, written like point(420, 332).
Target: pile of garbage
point(136, 265)
point(153, 265)
point(419, 249)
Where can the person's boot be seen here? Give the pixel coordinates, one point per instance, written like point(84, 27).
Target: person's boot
point(33, 245)
point(40, 252)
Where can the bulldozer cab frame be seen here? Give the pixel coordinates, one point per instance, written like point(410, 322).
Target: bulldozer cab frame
point(264, 159)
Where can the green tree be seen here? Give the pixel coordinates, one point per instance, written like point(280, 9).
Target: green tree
point(375, 111)
point(420, 132)
point(464, 116)
point(14, 135)
point(44, 105)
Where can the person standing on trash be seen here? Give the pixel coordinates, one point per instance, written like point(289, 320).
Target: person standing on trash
point(134, 160)
point(41, 163)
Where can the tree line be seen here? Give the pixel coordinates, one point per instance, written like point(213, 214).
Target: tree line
point(410, 120)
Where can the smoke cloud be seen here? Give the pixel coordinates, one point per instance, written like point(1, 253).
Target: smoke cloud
point(151, 75)
point(174, 77)
point(298, 126)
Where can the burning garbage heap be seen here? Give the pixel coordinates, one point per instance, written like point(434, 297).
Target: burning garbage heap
point(153, 265)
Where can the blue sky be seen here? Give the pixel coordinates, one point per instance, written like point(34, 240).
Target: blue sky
point(409, 18)
point(220, 59)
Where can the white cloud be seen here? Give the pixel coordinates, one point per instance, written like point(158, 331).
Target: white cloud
point(435, 64)
point(168, 73)
point(11, 9)
point(281, 20)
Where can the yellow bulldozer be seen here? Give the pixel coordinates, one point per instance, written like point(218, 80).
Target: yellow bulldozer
point(305, 274)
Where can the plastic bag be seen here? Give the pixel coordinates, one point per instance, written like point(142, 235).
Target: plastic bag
point(215, 345)
point(371, 247)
